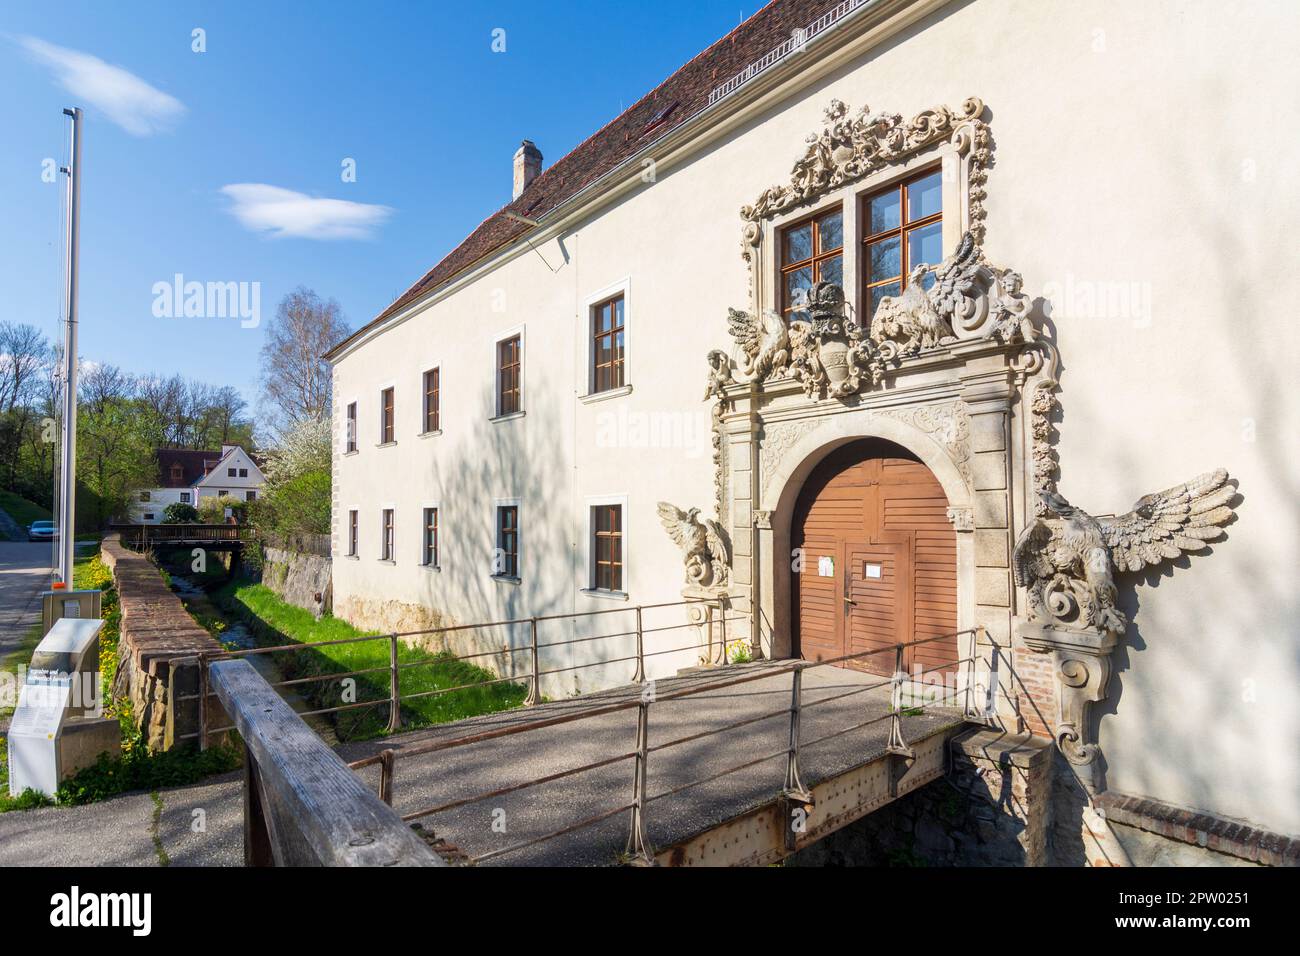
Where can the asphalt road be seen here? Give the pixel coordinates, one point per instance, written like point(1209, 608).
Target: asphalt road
point(24, 574)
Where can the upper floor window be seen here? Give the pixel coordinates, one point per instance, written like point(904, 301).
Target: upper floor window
point(386, 535)
point(351, 436)
point(144, 496)
point(607, 547)
point(386, 416)
point(432, 399)
point(231, 472)
point(510, 356)
point(811, 251)
point(352, 534)
point(178, 471)
point(243, 473)
point(607, 354)
point(507, 560)
point(903, 225)
point(430, 557)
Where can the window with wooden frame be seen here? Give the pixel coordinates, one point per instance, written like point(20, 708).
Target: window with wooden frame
point(607, 547)
point(351, 437)
point(352, 534)
point(507, 560)
point(386, 416)
point(510, 357)
point(607, 352)
point(903, 228)
point(812, 251)
point(432, 400)
point(386, 530)
point(178, 471)
point(430, 547)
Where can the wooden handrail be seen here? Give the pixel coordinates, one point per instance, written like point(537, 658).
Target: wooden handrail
point(303, 806)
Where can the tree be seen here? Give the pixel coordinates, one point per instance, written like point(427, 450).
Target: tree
point(295, 378)
point(25, 358)
point(178, 512)
point(114, 454)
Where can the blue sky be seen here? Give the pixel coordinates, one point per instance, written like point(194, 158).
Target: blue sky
point(283, 94)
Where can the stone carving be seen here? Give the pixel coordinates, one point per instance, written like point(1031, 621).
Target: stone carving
point(850, 147)
point(719, 375)
point(705, 550)
point(1066, 561)
point(828, 351)
point(765, 342)
point(779, 438)
point(762, 519)
point(949, 425)
point(921, 318)
point(962, 519)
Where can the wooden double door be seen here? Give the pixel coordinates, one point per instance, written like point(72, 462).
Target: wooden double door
point(876, 560)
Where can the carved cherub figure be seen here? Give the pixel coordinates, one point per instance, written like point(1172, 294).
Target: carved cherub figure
point(719, 374)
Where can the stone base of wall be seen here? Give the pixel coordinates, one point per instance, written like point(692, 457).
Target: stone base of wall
point(992, 809)
point(304, 580)
point(1160, 834)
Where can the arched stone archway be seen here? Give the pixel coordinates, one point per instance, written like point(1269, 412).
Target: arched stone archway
point(815, 440)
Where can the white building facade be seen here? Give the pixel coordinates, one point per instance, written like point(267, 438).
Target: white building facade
point(189, 476)
point(1095, 184)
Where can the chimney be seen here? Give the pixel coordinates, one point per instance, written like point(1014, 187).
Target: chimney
point(528, 163)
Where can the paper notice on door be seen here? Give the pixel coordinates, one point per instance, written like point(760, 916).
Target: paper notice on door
point(871, 570)
point(826, 566)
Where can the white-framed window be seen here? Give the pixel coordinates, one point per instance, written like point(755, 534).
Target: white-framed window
point(350, 428)
point(352, 533)
point(185, 497)
point(508, 362)
point(430, 536)
point(607, 318)
point(509, 540)
point(387, 534)
point(250, 496)
point(231, 472)
point(607, 544)
point(243, 473)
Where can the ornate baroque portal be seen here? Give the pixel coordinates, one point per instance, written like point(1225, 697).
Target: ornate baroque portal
point(961, 373)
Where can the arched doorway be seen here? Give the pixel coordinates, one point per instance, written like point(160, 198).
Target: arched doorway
point(879, 559)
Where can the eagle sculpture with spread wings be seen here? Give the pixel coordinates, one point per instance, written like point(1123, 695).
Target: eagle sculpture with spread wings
point(1067, 559)
point(921, 318)
point(765, 340)
point(703, 544)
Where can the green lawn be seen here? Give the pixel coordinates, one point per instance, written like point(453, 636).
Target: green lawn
point(21, 510)
point(281, 622)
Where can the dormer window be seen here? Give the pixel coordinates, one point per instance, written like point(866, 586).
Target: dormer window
point(177, 471)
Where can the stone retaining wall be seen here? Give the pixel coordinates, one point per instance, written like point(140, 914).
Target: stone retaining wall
point(157, 653)
point(301, 579)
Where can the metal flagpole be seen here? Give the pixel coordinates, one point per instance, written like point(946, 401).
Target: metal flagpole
point(67, 530)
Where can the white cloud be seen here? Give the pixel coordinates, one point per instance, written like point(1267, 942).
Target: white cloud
point(285, 213)
point(123, 97)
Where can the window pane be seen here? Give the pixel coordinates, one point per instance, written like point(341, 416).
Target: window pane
point(925, 196)
point(832, 270)
point(830, 232)
point(883, 212)
point(886, 259)
point(925, 245)
point(618, 311)
point(604, 316)
point(878, 293)
point(798, 243)
point(799, 279)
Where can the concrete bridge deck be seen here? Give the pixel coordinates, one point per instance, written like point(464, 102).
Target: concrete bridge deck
point(732, 819)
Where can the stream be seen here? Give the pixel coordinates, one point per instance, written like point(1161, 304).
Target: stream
point(237, 636)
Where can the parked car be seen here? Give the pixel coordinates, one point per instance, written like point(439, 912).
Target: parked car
point(42, 531)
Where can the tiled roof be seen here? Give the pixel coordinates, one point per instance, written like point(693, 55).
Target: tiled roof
point(194, 465)
point(674, 101)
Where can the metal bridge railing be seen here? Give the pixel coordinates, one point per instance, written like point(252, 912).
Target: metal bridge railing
point(715, 614)
point(638, 848)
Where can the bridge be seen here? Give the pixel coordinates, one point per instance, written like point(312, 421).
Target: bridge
point(214, 537)
point(740, 764)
